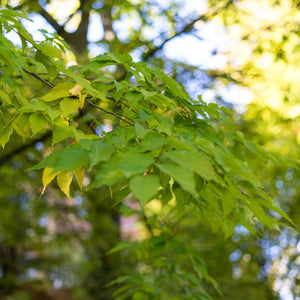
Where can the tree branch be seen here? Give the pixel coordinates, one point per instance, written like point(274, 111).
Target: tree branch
point(186, 29)
point(59, 29)
point(36, 75)
point(5, 159)
point(121, 117)
point(78, 39)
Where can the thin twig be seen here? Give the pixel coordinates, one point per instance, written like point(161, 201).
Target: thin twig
point(160, 154)
point(126, 105)
point(121, 117)
point(38, 77)
point(186, 29)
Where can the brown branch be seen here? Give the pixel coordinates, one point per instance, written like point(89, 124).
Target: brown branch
point(186, 29)
point(36, 75)
point(121, 117)
point(78, 39)
point(121, 102)
point(5, 159)
point(59, 29)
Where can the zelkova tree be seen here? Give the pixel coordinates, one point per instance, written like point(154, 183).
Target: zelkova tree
point(161, 147)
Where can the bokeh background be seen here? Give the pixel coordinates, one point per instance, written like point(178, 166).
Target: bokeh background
point(244, 55)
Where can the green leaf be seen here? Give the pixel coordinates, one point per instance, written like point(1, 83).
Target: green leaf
point(180, 174)
point(229, 199)
point(148, 94)
point(36, 105)
point(50, 50)
point(107, 175)
point(133, 163)
point(195, 161)
point(119, 280)
point(61, 133)
point(71, 159)
point(140, 131)
point(122, 246)
point(144, 187)
point(269, 204)
point(58, 92)
point(5, 97)
point(100, 151)
point(37, 123)
point(122, 165)
point(33, 106)
point(68, 159)
point(213, 110)
point(21, 125)
point(145, 116)
point(175, 88)
point(6, 13)
point(5, 134)
point(153, 140)
point(45, 61)
point(133, 97)
point(69, 105)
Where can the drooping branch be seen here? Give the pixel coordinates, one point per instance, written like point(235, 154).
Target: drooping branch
point(186, 29)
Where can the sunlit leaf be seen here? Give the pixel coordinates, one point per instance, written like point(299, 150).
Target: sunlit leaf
point(48, 176)
point(79, 174)
point(5, 134)
point(64, 180)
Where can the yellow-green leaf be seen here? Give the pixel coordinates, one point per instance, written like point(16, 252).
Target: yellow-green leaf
point(50, 50)
point(81, 100)
point(69, 106)
point(48, 176)
point(5, 134)
point(61, 133)
point(64, 180)
point(37, 123)
point(22, 126)
point(183, 176)
point(79, 174)
point(5, 97)
point(58, 92)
